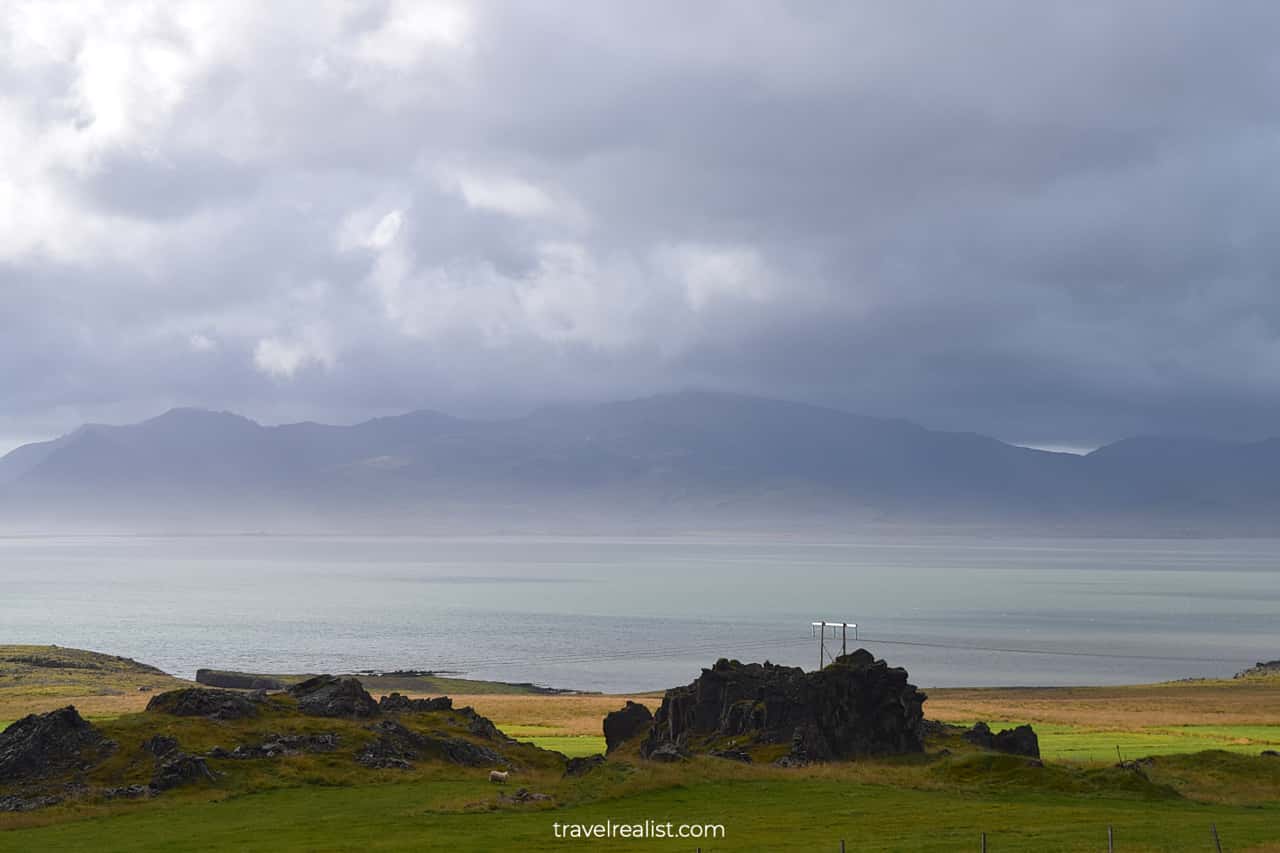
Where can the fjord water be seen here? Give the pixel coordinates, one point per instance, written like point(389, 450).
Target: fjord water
point(632, 614)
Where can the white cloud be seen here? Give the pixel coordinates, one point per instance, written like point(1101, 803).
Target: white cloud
point(416, 30)
point(282, 358)
point(709, 273)
point(510, 195)
point(202, 343)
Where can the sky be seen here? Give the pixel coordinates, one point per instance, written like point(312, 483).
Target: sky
point(1056, 224)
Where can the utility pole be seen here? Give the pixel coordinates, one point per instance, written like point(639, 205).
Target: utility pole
point(820, 628)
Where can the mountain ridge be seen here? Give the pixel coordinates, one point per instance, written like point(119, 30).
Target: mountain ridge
point(680, 458)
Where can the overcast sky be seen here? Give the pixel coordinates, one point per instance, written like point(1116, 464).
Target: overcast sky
point(1055, 223)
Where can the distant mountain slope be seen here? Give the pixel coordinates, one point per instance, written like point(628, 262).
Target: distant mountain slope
point(686, 460)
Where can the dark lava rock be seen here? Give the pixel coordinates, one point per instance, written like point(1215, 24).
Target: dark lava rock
point(791, 761)
point(732, 755)
point(625, 723)
point(854, 707)
point(128, 792)
point(204, 702)
point(464, 752)
point(1017, 741)
point(333, 696)
point(237, 680)
point(15, 803)
point(160, 745)
point(666, 752)
point(180, 769)
point(524, 795)
point(41, 745)
point(481, 726)
point(1270, 753)
point(397, 703)
point(583, 766)
point(397, 746)
point(275, 745)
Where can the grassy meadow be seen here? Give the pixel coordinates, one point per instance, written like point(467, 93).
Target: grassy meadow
point(1207, 771)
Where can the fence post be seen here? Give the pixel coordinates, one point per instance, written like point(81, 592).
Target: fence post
point(841, 845)
point(984, 842)
point(1217, 842)
point(1111, 839)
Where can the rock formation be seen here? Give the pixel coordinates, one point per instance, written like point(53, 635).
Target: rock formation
point(205, 702)
point(625, 723)
point(41, 745)
point(584, 765)
point(1021, 740)
point(333, 696)
point(854, 707)
point(397, 746)
point(397, 703)
point(276, 745)
point(179, 768)
point(1261, 669)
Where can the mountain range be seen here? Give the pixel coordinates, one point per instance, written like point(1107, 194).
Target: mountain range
point(680, 461)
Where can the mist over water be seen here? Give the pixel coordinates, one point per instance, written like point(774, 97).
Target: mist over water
point(634, 614)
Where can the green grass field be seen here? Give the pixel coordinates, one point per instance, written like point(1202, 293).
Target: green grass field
point(548, 737)
point(1079, 743)
point(1207, 771)
point(757, 815)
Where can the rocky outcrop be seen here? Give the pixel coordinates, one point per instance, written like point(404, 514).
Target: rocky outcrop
point(397, 747)
point(159, 745)
point(583, 766)
point(481, 726)
point(524, 795)
point(276, 745)
point(178, 769)
point(1021, 740)
point(237, 680)
point(1261, 669)
point(333, 696)
point(399, 704)
point(15, 803)
point(625, 723)
point(854, 707)
point(206, 702)
point(43, 745)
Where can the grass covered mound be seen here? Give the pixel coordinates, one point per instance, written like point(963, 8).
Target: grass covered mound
point(53, 671)
point(198, 743)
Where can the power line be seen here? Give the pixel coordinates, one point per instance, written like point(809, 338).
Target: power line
point(716, 647)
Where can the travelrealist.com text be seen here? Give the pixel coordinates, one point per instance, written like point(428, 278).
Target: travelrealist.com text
point(646, 829)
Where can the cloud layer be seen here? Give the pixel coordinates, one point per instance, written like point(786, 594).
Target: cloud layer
point(1051, 224)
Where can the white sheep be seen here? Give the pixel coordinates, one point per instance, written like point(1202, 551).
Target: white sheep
point(499, 777)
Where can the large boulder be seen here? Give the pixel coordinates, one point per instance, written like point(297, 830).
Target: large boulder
point(333, 696)
point(583, 765)
point(1020, 740)
point(625, 723)
point(41, 745)
point(854, 707)
point(205, 702)
point(177, 769)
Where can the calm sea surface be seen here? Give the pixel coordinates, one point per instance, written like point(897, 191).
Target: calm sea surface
point(617, 614)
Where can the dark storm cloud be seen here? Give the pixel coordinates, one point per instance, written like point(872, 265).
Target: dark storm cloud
point(1049, 223)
